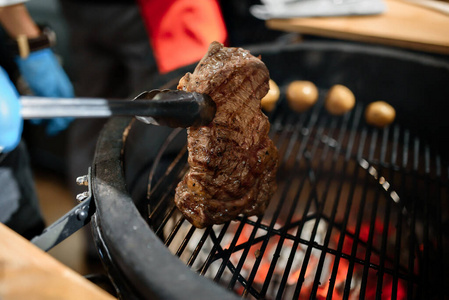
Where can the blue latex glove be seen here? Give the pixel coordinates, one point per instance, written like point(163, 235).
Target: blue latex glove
point(11, 122)
point(46, 78)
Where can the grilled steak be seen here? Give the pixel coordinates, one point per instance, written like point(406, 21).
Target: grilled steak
point(233, 163)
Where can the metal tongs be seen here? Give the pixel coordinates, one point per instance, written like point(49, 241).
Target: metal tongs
point(173, 108)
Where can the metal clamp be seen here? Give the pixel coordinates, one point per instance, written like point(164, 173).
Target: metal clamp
point(71, 222)
point(84, 180)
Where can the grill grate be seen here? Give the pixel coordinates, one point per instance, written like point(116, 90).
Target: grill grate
point(359, 212)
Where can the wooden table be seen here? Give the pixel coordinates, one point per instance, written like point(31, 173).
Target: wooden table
point(26, 272)
point(404, 24)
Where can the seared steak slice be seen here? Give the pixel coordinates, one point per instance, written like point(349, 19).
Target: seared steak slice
point(233, 163)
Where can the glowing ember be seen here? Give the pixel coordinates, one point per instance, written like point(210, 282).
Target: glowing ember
point(360, 282)
point(313, 262)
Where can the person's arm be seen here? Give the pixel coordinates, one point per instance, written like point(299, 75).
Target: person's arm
point(10, 121)
point(35, 59)
point(16, 20)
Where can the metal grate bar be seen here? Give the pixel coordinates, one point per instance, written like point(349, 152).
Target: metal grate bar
point(425, 234)
point(304, 218)
point(224, 253)
point(398, 225)
point(297, 131)
point(412, 244)
point(283, 231)
point(236, 272)
point(321, 204)
point(185, 241)
point(200, 245)
point(167, 216)
point(280, 132)
point(175, 171)
point(216, 240)
point(159, 206)
point(441, 279)
point(171, 177)
point(244, 254)
point(386, 222)
point(330, 226)
point(438, 224)
point(157, 160)
point(230, 250)
point(270, 232)
point(433, 271)
point(360, 215)
point(283, 235)
point(290, 176)
point(370, 234)
point(172, 234)
point(405, 153)
point(343, 228)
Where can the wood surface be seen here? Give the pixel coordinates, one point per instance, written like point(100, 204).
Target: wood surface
point(404, 24)
point(26, 272)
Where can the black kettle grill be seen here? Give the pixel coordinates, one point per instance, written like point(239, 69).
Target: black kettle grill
point(360, 211)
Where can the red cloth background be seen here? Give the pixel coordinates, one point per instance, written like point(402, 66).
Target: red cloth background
point(180, 31)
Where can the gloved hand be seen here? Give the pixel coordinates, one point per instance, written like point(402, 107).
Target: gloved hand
point(46, 78)
point(11, 123)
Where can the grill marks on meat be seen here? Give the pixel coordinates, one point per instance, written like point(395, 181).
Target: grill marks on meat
point(233, 163)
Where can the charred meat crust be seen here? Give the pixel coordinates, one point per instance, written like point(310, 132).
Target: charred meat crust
point(233, 162)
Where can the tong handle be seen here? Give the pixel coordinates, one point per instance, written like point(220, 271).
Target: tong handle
point(44, 108)
point(171, 108)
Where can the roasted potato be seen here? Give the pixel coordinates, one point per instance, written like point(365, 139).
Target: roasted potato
point(380, 114)
point(269, 101)
point(339, 100)
point(301, 95)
